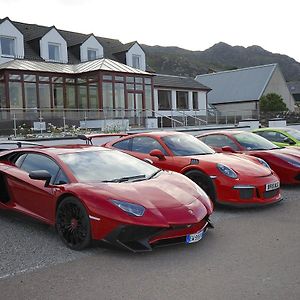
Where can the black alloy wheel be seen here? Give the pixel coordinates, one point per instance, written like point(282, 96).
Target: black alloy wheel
point(73, 224)
point(204, 182)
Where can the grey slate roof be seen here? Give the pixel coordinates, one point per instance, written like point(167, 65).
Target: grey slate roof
point(169, 81)
point(103, 64)
point(294, 87)
point(32, 32)
point(239, 85)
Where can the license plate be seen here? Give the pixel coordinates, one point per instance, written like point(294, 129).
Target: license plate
point(196, 237)
point(272, 186)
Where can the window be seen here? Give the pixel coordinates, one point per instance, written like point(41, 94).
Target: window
point(92, 54)
point(195, 100)
point(30, 95)
point(136, 61)
point(182, 100)
point(123, 145)
point(34, 162)
point(164, 100)
point(146, 144)
point(219, 141)
point(107, 95)
point(54, 52)
point(7, 46)
point(274, 136)
point(2, 95)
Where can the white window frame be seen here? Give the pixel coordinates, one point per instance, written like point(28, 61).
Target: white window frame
point(139, 59)
point(92, 49)
point(14, 49)
point(59, 51)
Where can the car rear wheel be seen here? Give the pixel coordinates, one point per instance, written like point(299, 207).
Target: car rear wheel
point(204, 182)
point(73, 224)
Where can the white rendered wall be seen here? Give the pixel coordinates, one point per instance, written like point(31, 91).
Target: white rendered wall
point(277, 84)
point(201, 103)
point(136, 50)
point(7, 29)
point(90, 43)
point(54, 37)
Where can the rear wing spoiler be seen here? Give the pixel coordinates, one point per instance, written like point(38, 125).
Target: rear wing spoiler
point(8, 145)
point(89, 137)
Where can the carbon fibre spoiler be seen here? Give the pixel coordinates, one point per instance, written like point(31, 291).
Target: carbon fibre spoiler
point(9, 145)
point(89, 137)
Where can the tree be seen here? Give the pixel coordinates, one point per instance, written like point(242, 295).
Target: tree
point(272, 102)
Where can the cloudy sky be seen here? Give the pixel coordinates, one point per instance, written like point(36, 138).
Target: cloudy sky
point(190, 24)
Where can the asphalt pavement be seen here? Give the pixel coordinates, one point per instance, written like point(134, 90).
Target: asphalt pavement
point(251, 254)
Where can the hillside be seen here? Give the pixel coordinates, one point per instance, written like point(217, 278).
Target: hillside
point(221, 56)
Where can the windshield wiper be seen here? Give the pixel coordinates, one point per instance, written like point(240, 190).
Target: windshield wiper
point(155, 173)
point(127, 178)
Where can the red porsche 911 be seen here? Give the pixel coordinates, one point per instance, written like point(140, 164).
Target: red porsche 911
point(227, 179)
point(93, 193)
point(284, 161)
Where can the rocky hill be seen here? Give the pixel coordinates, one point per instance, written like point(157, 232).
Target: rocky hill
point(221, 56)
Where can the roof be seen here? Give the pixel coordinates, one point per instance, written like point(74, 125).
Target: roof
point(32, 32)
point(241, 85)
point(170, 81)
point(103, 64)
point(294, 87)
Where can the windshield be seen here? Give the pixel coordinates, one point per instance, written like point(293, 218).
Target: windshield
point(107, 165)
point(294, 133)
point(253, 141)
point(185, 145)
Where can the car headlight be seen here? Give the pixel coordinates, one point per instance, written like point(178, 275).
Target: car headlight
point(227, 171)
point(132, 209)
point(263, 162)
point(292, 162)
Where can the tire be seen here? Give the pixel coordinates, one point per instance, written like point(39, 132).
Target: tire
point(73, 223)
point(204, 182)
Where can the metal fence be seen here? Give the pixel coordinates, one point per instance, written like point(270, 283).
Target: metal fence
point(51, 122)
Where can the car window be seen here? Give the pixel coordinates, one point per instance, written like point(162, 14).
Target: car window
point(146, 144)
point(219, 141)
point(61, 178)
point(123, 145)
point(274, 136)
point(34, 162)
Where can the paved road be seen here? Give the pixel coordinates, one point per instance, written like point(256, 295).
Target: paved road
point(251, 254)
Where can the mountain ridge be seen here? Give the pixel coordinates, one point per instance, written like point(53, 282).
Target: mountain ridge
point(174, 60)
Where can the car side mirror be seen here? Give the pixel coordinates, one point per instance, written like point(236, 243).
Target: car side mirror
point(289, 141)
point(227, 149)
point(41, 175)
point(157, 153)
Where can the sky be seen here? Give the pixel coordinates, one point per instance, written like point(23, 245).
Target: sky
point(190, 24)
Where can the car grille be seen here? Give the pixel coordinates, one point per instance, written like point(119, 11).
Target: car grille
point(246, 193)
point(270, 194)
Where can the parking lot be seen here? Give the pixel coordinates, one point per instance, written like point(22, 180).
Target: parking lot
point(251, 254)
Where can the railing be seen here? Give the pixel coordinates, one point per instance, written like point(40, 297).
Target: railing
point(26, 122)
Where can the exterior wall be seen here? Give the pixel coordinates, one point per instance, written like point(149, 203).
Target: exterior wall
point(90, 43)
point(7, 29)
point(277, 84)
point(54, 37)
point(244, 109)
point(136, 50)
point(202, 103)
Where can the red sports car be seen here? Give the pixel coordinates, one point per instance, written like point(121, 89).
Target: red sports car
point(228, 179)
point(284, 161)
point(93, 193)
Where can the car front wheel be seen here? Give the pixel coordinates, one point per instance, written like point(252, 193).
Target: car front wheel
point(73, 224)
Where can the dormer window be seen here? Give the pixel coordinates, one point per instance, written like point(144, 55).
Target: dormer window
point(7, 46)
point(136, 61)
point(54, 51)
point(92, 54)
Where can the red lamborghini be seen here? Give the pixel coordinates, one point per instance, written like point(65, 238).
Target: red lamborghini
point(284, 161)
point(93, 193)
point(227, 179)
